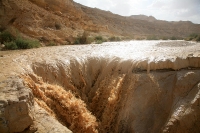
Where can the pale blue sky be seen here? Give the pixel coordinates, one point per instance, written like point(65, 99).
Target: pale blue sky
point(170, 10)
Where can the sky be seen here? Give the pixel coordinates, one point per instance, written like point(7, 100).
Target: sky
point(170, 10)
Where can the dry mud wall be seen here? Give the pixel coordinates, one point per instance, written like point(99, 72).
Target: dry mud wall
point(99, 95)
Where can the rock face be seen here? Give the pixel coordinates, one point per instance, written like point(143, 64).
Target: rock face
point(16, 106)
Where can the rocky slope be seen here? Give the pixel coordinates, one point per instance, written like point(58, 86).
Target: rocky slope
point(61, 21)
point(135, 86)
point(46, 20)
point(140, 26)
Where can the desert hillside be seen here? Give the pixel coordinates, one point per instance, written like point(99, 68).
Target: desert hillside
point(140, 25)
point(46, 20)
point(62, 21)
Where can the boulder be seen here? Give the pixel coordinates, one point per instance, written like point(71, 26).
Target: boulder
point(16, 106)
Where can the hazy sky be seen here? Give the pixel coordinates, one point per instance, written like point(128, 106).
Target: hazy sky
point(170, 10)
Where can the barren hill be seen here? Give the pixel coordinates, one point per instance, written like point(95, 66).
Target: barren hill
point(63, 20)
point(46, 20)
point(140, 25)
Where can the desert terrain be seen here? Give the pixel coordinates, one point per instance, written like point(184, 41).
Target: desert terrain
point(129, 86)
point(63, 21)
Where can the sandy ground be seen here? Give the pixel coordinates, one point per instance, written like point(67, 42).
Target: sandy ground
point(12, 62)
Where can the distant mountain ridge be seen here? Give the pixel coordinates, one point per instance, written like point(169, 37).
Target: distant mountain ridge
point(140, 25)
point(144, 17)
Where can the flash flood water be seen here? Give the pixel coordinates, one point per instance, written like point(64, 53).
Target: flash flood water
point(132, 86)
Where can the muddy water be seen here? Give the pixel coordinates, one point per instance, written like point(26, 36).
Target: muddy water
point(135, 86)
point(137, 53)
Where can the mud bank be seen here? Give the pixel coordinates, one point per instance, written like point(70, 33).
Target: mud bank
point(133, 87)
